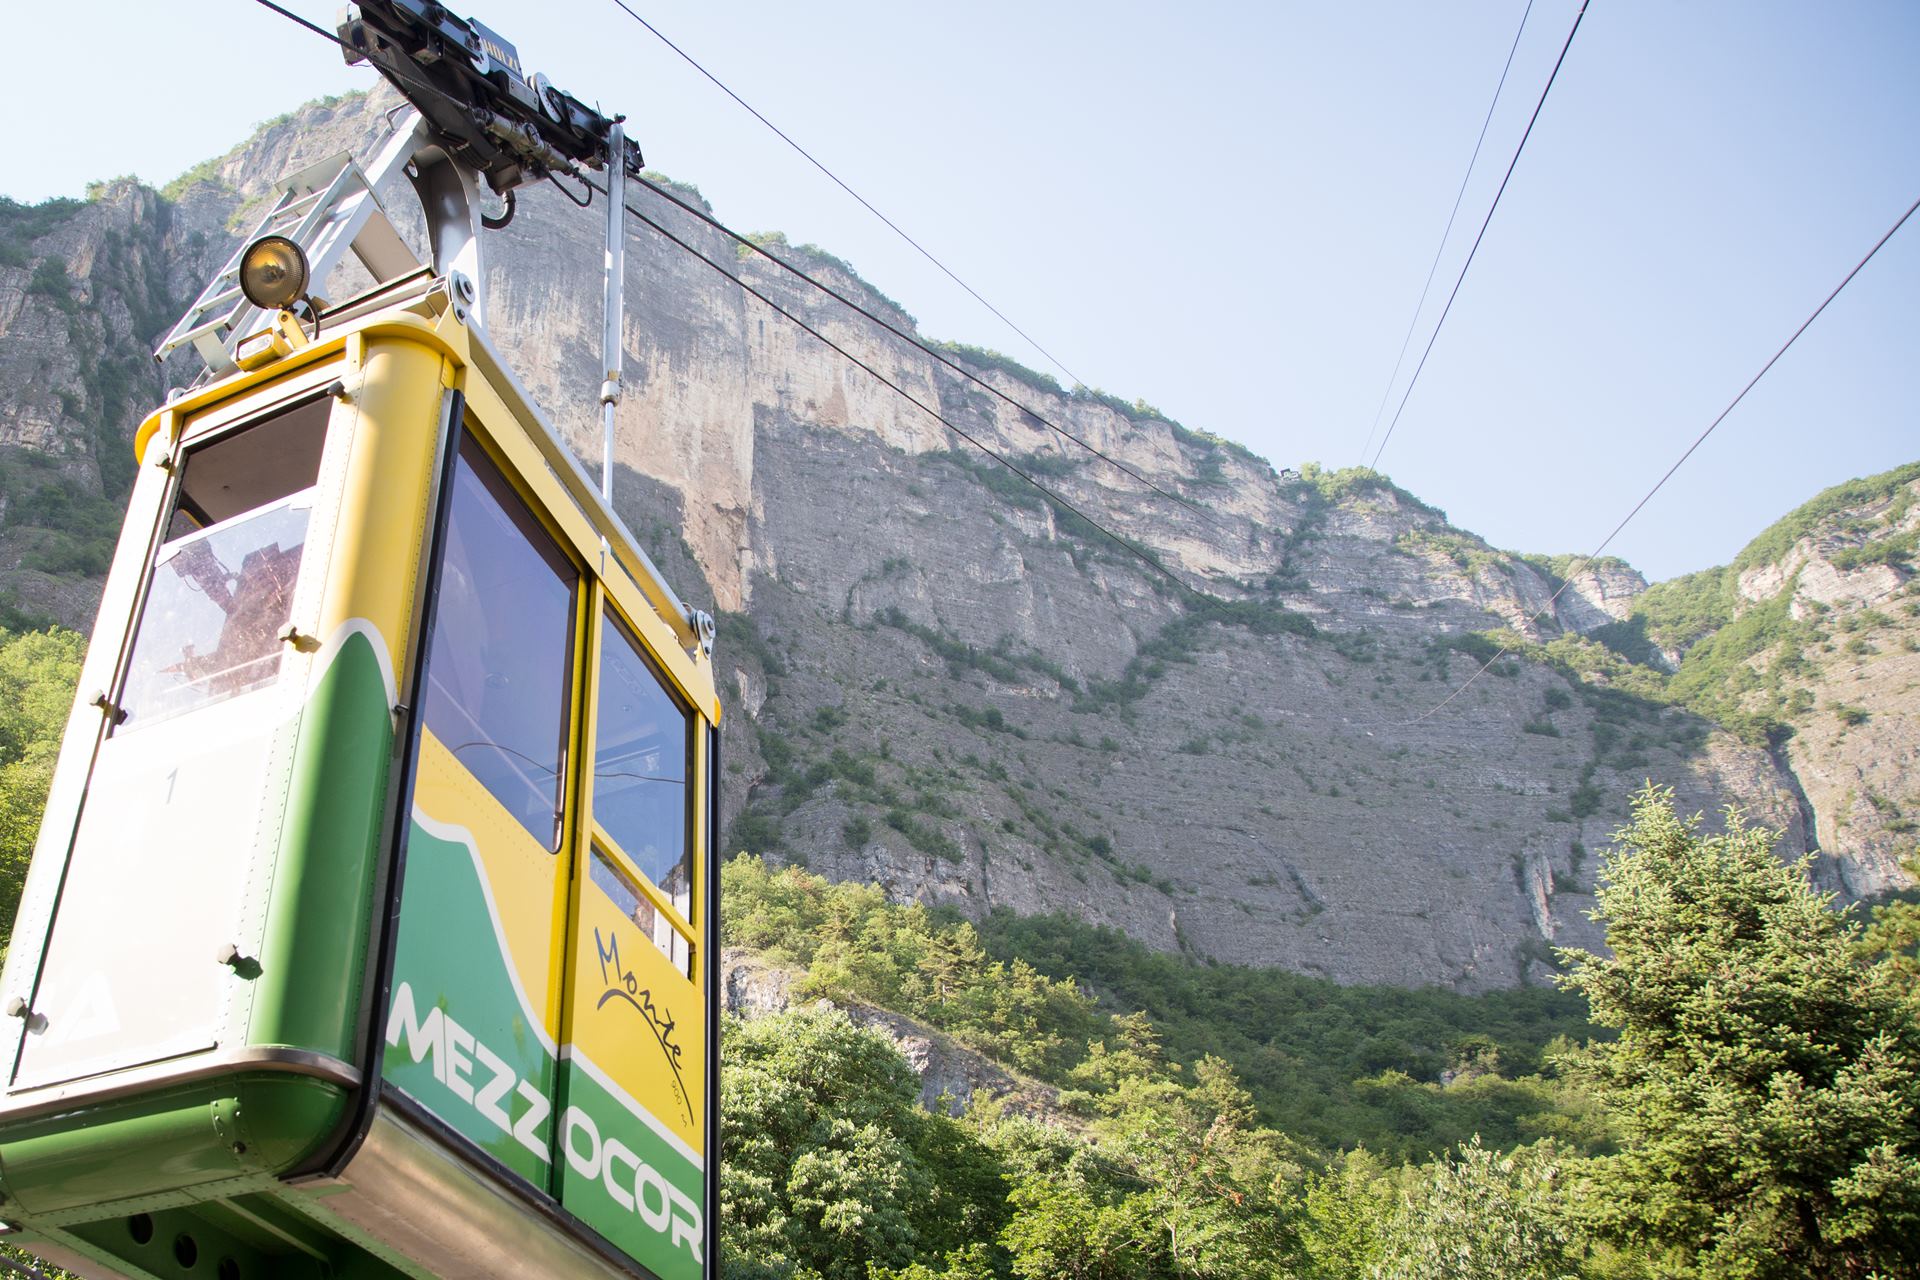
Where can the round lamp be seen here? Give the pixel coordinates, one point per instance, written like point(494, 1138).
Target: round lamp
point(273, 273)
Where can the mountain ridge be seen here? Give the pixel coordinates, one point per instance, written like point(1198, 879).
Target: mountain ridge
point(939, 681)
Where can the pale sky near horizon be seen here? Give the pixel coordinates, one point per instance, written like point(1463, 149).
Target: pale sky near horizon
point(1228, 209)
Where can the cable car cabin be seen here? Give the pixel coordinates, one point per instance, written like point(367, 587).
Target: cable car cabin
point(371, 929)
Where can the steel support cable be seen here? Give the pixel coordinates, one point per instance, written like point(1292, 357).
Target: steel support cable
point(314, 27)
point(1699, 440)
point(848, 356)
point(1485, 222)
point(845, 301)
point(835, 178)
point(1130, 548)
point(1439, 250)
point(924, 347)
point(334, 38)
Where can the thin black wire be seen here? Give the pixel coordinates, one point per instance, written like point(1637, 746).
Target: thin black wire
point(852, 359)
point(808, 156)
point(1129, 547)
point(1461, 279)
point(1567, 581)
point(1440, 249)
point(358, 54)
point(904, 336)
point(582, 203)
point(314, 27)
point(822, 286)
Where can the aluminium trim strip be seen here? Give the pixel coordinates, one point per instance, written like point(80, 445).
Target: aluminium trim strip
point(280, 1059)
point(408, 1139)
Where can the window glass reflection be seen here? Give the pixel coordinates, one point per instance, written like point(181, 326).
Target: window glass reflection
point(497, 670)
point(211, 626)
point(223, 579)
point(636, 907)
point(640, 766)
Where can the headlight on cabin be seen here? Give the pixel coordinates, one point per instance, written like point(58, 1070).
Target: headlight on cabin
point(273, 273)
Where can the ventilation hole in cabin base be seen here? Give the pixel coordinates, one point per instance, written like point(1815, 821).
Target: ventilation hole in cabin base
point(185, 1251)
point(228, 1269)
point(140, 1227)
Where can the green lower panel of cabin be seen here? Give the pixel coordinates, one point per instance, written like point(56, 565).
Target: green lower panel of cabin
point(464, 1044)
point(262, 1235)
point(165, 1146)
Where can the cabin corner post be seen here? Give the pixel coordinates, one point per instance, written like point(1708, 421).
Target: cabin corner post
point(314, 950)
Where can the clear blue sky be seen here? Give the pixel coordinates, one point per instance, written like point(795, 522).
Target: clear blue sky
point(1228, 209)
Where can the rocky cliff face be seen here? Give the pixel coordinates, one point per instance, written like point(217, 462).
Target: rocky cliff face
point(940, 682)
point(1850, 672)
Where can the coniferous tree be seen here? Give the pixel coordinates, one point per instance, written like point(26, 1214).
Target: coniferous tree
point(1894, 936)
point(1765, 1082)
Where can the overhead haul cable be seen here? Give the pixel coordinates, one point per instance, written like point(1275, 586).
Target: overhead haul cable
point(808, 156)
point(1053, 496)
point(924, 347)
point(314, 27)
point(1440, 249)
point(334, 38)
point(1588, 559)
point(839, 297)
point(1484, 223)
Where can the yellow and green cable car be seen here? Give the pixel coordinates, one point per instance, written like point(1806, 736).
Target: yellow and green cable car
point(371, 930)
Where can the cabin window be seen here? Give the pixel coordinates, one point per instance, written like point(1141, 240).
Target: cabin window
point(637, 907)
point(643, 740)
point(222, 584)
point(499, 669)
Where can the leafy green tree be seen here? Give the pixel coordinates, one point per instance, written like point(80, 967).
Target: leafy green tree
point(857, 946)
point(39, 1266)
point(1344, 1212)
point(1314, 1054)
point(1212, 1183)
point(1072, 1227)
point(828, 1162)
point(37, 673)
point(1479, 1216)
point(975, 1262)
point(1765, 1082)
point(1178, 1181)
point(951, 957)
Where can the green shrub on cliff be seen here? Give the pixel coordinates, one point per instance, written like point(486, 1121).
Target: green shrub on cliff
point(22, 224)
point(38, 671)
point(1778, 539)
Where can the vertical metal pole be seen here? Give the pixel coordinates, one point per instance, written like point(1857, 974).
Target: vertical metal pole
point(610, 345)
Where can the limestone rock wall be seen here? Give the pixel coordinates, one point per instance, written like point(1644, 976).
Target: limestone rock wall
point(938, 682)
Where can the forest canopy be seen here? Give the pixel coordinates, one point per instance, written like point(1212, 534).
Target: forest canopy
point(1745, 1105)
point(1731, 1092)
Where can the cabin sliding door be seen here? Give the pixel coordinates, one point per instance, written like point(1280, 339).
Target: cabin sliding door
point(475, 1016)
point(195, 725)
point(634, 1071)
